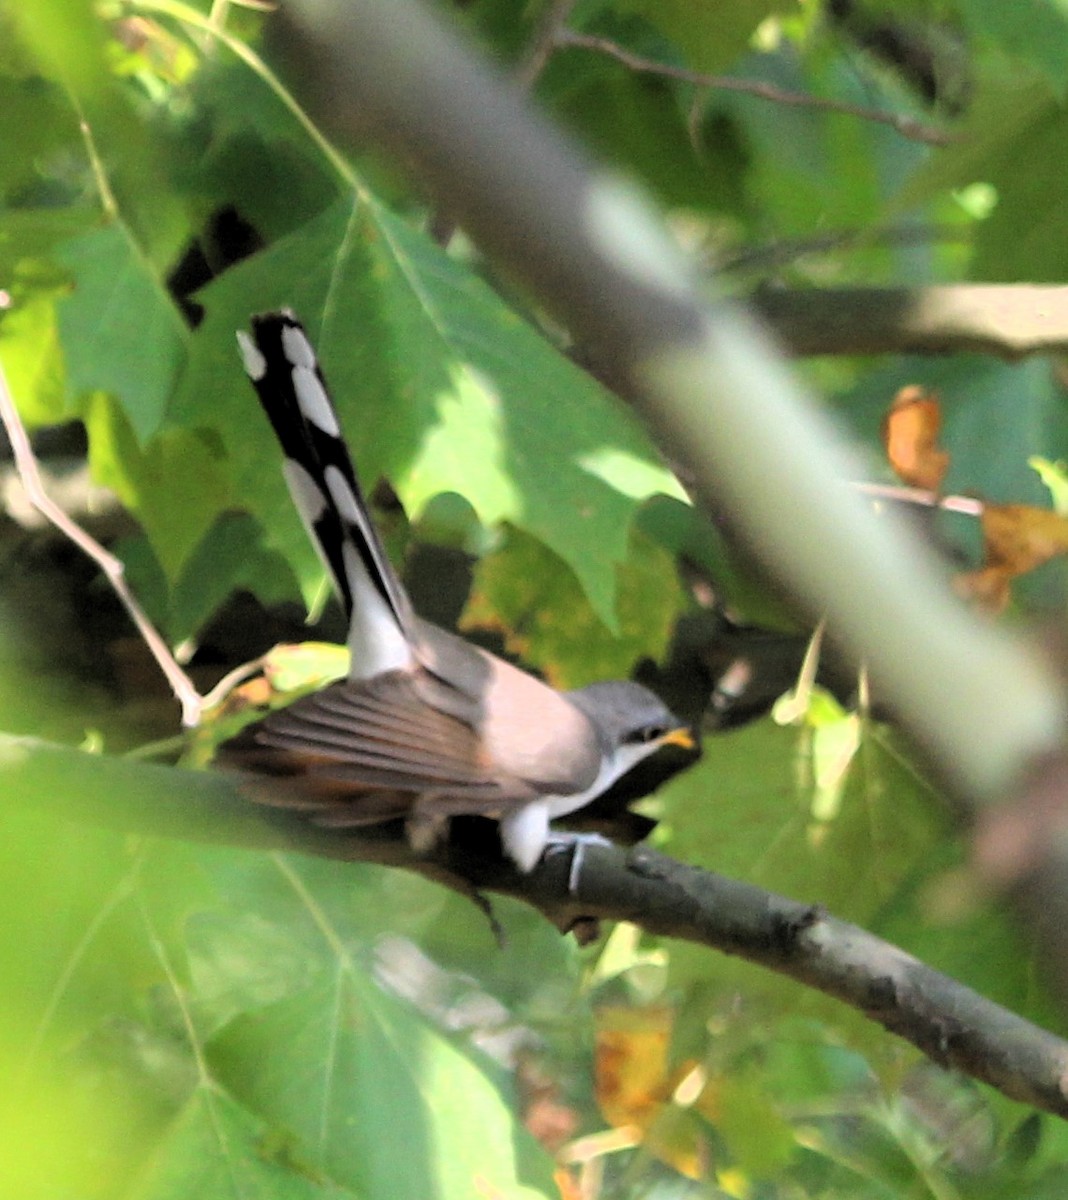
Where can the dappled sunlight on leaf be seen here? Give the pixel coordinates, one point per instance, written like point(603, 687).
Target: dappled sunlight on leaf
point(306, 664)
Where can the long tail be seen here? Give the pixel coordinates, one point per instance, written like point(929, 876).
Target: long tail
point(322, 480)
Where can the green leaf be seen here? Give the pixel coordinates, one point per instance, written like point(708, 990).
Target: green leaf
point(1035, 34)
point(374, 1098)
point(367, 1092)
point(758, 1136)
point(1011, 142)
point(710, 33)
point(217, 1148)
point(231, 555)
point(524, 591)
point(36, 121)
point(121, 332)
point(69, 43)
point(812, 169)
point(174, 483)
point(33, 361)
point(34, 233)
point(771, 835)
point(441, 386)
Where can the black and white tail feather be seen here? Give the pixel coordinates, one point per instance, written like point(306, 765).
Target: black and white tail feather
point(322, 481)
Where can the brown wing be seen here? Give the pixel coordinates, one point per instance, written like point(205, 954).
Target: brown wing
point(360, 752)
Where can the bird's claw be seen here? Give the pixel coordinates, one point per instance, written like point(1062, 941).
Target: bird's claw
point(558, 842)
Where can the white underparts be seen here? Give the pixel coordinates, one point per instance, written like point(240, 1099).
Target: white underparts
point(525, 834)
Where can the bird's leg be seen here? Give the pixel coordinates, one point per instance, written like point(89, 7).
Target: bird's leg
point(560, 840)
point(425, 829)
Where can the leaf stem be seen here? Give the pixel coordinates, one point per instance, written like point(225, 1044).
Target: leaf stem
point(186, 15)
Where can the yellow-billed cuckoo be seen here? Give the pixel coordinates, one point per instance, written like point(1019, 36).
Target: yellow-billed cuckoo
point(426, 726)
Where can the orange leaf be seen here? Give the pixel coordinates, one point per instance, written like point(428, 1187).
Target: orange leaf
point(910, 435)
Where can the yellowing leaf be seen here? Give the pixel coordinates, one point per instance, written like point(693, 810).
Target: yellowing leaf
point(529, 595)
point(636, 1087)
point(306, 664)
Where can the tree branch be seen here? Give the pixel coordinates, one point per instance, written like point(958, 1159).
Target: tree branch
point(1011, 321)
point(947, 1021)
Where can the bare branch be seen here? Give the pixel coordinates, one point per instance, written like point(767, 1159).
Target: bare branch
point(947, 1021)
point(908, 127)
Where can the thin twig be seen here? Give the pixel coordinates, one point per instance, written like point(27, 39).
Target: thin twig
point(114, 571)
point(908, 127)
point(547, 39)
point(782, 252)
point(967, 505)
point(230, 680)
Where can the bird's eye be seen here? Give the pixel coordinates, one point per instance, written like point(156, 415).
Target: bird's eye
point(651, 733)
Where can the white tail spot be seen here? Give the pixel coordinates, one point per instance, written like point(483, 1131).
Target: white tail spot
point(313, 400)
point(342, 496)
point(296, 347)
point(306, 493)
point(255, 363)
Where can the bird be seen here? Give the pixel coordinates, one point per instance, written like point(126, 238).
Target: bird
point(425, 726)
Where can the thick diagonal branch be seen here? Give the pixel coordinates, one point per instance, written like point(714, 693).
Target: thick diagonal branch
point(949, 1022)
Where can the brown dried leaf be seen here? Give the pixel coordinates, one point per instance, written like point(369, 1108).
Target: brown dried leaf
point(1018, 537)
point(910, 435)
point(988, 588)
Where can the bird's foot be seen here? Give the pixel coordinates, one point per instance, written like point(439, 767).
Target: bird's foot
point(559, 841)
